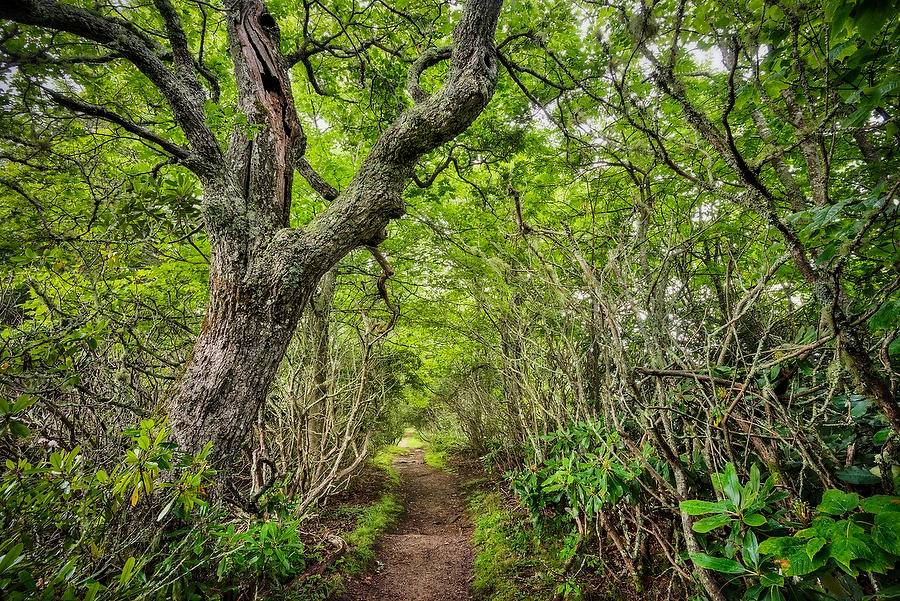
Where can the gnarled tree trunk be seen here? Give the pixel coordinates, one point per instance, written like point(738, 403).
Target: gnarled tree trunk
point(263, 271)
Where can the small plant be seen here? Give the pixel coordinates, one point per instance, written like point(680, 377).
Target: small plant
point(266, 550)
point(845, 535)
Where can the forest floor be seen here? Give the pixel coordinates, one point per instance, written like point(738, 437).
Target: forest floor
point(428, 555)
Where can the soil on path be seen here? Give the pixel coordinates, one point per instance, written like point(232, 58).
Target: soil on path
point(428, 556)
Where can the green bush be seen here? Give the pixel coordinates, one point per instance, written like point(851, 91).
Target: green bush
point(777, 559)
point(71, 531)
point(582, 471)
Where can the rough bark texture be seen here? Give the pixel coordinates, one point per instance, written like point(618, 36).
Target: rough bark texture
point(262, 272)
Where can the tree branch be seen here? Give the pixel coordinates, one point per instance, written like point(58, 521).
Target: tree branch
point(186, 101)
point(429, 58)
point(95, 110)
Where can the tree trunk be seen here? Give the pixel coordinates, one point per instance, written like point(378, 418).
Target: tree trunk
point(262, 271)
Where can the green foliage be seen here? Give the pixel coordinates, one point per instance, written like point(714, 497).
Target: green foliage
point(504, 549)
point(584, 470)
point(9, 412)
point(268, 550)
point(61, 518)
point(846, 535)
point(74, 532)
point(440, 447)
point(384, 461)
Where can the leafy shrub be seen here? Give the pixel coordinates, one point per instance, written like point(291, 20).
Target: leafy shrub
point(266, 550)
point(69, 530)
point(843, 536)
point(583, 470)
point(74, 532)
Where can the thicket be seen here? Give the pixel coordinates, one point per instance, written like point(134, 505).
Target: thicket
point(694, 311)
point(656, 285)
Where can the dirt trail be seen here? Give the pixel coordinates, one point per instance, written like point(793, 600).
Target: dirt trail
point(428, 556)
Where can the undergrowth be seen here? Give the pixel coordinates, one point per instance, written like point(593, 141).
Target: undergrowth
point(512, 562)
point(374, 520)
point(518, 562)
point(440, 447)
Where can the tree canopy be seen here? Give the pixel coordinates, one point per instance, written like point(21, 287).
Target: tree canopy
point(641, 257)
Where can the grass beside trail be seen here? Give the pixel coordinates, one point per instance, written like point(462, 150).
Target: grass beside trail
point(439, 448)
point(507, 553)
point(374, 521)
point(377, 518)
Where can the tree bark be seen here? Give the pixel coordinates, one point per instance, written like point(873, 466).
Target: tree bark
point(263, 272)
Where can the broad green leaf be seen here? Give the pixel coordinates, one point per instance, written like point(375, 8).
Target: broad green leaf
point(790, 556)
point(717, 564)
point(814, 545)
point(730, 485)
point(754, 519)
point(870, 16)
point(886, 532)
point(848, 542)
point(750, 549)
point(697, 507)
point(857, 475)
point(835, 502)
point(881, 504)
point(711, 523)
point(886, 315)
point(127, 571)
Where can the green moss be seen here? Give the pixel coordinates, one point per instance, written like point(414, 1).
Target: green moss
point(437, 459)
point(496, 562)
point(373, 522)
point(413, 439)
point(441, 447)
point(514, 562)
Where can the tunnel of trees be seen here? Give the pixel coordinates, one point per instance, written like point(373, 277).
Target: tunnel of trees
point(640, 259)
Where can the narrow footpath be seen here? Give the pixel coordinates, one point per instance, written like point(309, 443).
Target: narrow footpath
point(428, 556)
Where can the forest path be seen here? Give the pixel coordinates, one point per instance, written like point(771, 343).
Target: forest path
point(428, 556)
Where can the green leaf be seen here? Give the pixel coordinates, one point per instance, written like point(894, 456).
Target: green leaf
point(814, 545)
point(857, 475)
point(886, 315)
point(711, 523)
point(881, 504)
point(23, 402)
point(19, 429)
point(886, 532)
point(768, 579)
point(870, 16)
point(750, 549)
point(890, 592)
point(754, 519)
point(848, 542)
point(790, 555)
point(697, 507)
point(773, 594)
point(11, 558)
point(730, 485)
point(835, 502)
point(881, 562)
point(717, 564)
point(127, 571)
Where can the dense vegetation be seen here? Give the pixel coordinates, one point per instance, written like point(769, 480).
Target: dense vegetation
point(648, 274)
